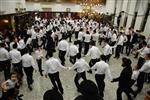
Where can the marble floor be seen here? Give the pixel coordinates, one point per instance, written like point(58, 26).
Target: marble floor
point(42, 84)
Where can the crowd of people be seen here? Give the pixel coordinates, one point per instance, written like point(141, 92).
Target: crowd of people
point(75, 38)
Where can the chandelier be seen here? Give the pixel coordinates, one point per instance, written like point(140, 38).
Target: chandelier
point(88, 7)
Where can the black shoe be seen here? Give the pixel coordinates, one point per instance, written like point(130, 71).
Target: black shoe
point(30, 88)
point(41, 73)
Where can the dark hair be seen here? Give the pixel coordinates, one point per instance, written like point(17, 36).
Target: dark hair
point(78, 55)
point(2, 44)
point(75, 42)
point(126, 62)
point(52, 95)
point(25, 50)
point(87, 32)
point(89, 91)
point(93, 43)
point(144, 43)
point(103, 57)
point(12, 73)
point(15, 45)
point(88, 87)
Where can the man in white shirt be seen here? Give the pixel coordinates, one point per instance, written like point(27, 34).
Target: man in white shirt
point(80, 39)
point(52, 70)
point(4, 61)
point(28, 65)
point(119, 45)
point(15, 57)
point(80, 66)
point(145, 69)
point(107, 51)
point(77, 28)
point(143, 51)
point(21, 45)
point(63, 47)
point(102, 69)
point(95, 36)
point(94, 53)
point(73, 50)
point(87, 40)
point(39, 56)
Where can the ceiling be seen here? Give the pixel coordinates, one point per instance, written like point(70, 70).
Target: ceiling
point(67, 1)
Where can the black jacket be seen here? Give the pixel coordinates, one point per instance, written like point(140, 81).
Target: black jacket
point(125, 77)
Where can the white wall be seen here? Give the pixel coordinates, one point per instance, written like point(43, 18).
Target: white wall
point(9, 5)
point(147, 27)
point(141, 11)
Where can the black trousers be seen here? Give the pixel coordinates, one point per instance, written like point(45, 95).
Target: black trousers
point(100, 40)
point(80, 46)
point(112, 44)
point(18, 68)
point(125, 90)
point(86, 47)
point(62, 56)
point(76, 34)
point(77, 77)
point(73, 59)
point(118, 51)
point(29, 74)
point(69, 35)
point(39, 62)
point(49, 52)
point(34, 43)
point(129, 47)
point(107, 57)
point(101, 84)
point(92, 62)
point(56, 81)
point(140, 81)
point(140, 62)
point(5, 66)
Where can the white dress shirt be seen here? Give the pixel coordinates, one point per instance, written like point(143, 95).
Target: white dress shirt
point(4, 55)
point(73, 50)
point(107, 50)
point(81, 65)
point(143, 51)
point(87, 38)
point(28, 61)
point(101, 68)
point(21, 44)
point(95, 37)
point(38, 54)
point(34, 35)
point(146, 67)
point(121, 40)
point(15, 56)
point(53, 65)
point(63, 45)
point(80, 36)
point(94, 52)
point(114, 38)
